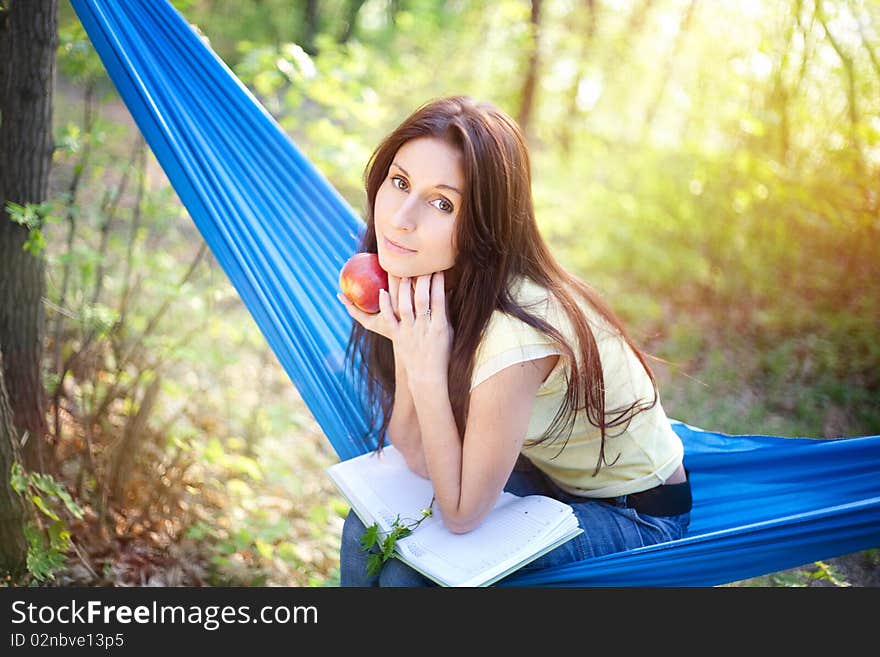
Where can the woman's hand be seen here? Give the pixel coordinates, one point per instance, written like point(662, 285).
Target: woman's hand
point(420, 331)
point(378, 322)
point(422, 340)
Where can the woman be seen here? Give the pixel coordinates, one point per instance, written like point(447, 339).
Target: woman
point(489, 366)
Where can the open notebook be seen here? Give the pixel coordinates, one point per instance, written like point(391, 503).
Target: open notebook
point(380, 488)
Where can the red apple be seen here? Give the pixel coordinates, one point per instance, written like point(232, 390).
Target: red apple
point(361, 278)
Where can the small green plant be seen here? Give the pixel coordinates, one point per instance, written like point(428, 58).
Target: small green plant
point(33, 216)
point(372, 537)
point(48, 537)
point(826, 571)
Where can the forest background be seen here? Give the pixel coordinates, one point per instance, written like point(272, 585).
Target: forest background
point(710, 166)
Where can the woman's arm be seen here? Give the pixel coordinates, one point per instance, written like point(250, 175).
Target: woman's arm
point(469, 475)
point(403, 428)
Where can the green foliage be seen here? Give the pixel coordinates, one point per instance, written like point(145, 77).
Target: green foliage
point(381, 547)
point(47, 535)
point(77, 60)
point(820, 574)
point(33, 216)
point(46, 550)
point(270, 529)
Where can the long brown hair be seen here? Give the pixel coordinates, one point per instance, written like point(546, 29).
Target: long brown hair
point(496, 240)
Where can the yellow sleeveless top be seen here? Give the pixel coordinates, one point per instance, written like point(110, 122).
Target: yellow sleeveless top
point(644, 453)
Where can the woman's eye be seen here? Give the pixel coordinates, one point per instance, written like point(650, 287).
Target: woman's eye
point(398, 182)
point(443, 205)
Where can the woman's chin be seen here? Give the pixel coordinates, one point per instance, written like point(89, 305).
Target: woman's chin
point(394, 269)
point(384, 264)
point(391, 268)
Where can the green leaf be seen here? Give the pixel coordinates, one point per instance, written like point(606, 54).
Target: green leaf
point(35, 242)
point(48, 485)
point(18, 479)
point(42, 562)
point(370, 537)
point(265, 549)
point(59, 536)
point(374, 564)
point(388, 546)
point(18, 213)
point(198, 531)
point(38, 502)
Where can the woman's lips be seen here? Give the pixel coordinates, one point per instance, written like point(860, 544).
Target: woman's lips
point(396, 248)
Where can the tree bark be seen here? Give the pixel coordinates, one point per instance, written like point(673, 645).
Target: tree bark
point(28, 40)
point(13, 547)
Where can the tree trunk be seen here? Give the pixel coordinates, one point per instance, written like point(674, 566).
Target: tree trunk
point(13, 547)
point(352, 9)
point(527, 102)
point(28, 40)
point(310, 26)
point(132, 438)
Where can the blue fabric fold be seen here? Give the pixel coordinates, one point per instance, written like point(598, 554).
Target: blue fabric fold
point(282, 232)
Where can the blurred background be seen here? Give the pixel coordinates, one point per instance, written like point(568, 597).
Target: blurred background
point(711, 166)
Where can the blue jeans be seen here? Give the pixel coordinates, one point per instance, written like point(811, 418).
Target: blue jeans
point(608, 527)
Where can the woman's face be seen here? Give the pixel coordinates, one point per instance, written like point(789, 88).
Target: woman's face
point(417, 206)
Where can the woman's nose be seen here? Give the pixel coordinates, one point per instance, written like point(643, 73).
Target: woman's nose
point(403, 217)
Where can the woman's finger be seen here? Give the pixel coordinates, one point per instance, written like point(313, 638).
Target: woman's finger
point(422, 296)
point(404, 300)
point(393, 291)
point(386, 311)
point(438, 296)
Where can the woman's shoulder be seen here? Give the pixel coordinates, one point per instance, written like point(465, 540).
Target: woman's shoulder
point(536, 299)
point(531, 296)
point(508, 339)
point(504, 330)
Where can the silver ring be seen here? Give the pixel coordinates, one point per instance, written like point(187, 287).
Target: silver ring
point(427, 313)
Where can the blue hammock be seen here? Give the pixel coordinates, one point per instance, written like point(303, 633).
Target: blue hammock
point(281, 232)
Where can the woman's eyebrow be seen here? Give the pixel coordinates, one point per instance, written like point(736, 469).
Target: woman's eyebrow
point(441, 186)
